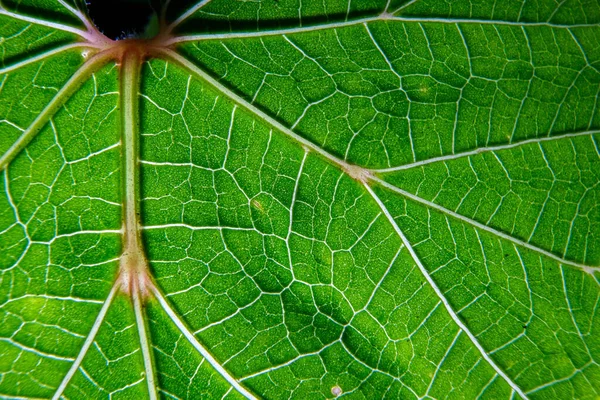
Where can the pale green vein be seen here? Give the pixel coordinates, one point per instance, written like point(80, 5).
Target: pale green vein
point(441, 296)
point(589, 269)
point(141, 325)
point(83, 73)
point(43, 22)
point(481, 150)
point(187, 14)
point(43, 56)
point(88, 341)
point(192, 339)
point(77, 13)
point(382, 17)
point(133, 264)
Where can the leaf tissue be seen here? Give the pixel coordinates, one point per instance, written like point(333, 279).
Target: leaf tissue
point(305, 199)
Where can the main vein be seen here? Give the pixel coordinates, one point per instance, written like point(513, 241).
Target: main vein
point(133, 263)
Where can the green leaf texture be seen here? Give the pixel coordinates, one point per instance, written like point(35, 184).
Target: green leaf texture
point(363, 199)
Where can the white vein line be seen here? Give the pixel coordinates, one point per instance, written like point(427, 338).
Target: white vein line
point(293, 360)
point(485, 150)
point(348, 168)
point(33, 350)
point(566, 378)
point(77, 79)
point(257, 112)
point(439, 366)
point(42, 56)
point(95, 153)
point(45, 23)
point(139, 318)
point(88, 342)
point(88, 232)
point(192, 339)
point(402, 7)
point(50, 297)
point(187, 14)
point(570, 310)
point(342, 24)
point(486, 228)
point(76, 12)
point(439, 293)
point(291, 214)
point(227, 392)
point(197, 228)
point(275, 32)
point(487, 22)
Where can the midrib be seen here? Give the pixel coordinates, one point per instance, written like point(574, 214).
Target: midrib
point(133, 265)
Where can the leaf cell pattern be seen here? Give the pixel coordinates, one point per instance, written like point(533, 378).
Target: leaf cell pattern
point(302, 199)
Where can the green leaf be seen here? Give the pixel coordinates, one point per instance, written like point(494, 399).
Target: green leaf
point(302, 199)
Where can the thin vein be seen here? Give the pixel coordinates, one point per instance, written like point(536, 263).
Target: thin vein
point(586, 268)
point(89, 67)
point(439, 366)
point(441, 296)
point(192, 339)
point(88, 341)
point(382, 17)
point(485, 150)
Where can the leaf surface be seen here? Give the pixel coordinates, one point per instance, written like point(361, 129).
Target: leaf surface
point(301, 200)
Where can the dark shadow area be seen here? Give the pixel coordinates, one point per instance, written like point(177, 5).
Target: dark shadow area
point(211, 22)
point(122, 19)
point(216, 25)
point(43, 12)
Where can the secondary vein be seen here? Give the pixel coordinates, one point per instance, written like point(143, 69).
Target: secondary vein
point(441, 296)
point(359, 173)
point(358, 21)
point(88, 342)
point(83, 73)
point(192, 339)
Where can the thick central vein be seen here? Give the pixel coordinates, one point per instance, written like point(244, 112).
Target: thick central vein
point(129, 92)
point(133, 260)
point(133, 264)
